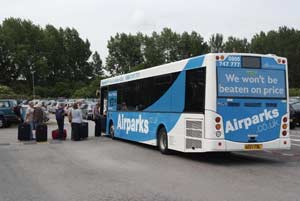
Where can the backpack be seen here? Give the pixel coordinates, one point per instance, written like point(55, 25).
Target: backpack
point(38, 114)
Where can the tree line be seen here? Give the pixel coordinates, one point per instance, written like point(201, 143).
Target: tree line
point(59, 61)
point(129, 52)
point(62, 63)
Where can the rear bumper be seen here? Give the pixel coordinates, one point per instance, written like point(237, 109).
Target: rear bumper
point(224, 145)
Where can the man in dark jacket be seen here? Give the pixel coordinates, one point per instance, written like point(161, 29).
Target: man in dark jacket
point(60, 117)
point(96, 117)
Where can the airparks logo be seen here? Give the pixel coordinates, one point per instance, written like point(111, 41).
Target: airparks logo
point(133, 124)
point(245, 123)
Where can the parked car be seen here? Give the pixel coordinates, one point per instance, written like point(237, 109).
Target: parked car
point(7, 112)
point(87, 110)
point(292, 117)
point(52, 107)
point(294, 99)
point(294, 114)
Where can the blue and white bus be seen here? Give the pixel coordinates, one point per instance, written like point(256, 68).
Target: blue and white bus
point(210, 103)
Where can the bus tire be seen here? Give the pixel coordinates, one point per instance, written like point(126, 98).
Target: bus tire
point(112, 130)
point(163, 141)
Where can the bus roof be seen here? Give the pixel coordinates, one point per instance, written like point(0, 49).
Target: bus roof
point(177, 66)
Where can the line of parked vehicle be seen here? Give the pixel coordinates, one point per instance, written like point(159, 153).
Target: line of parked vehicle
point(14, 111)
point(294, 112)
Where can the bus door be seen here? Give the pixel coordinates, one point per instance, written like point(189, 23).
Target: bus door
point(103, 108)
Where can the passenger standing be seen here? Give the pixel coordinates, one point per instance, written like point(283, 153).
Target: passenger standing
point(60, 118)
point(38, 115)
point(29, 118)
point(97, 119)
point(76, 120)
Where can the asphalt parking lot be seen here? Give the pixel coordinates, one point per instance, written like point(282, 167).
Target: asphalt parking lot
point(106, 169)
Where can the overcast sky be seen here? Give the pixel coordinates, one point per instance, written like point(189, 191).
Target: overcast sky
point(97, 20)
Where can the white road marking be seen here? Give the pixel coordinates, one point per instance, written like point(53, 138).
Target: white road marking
point(285, 154)
point(297, 145)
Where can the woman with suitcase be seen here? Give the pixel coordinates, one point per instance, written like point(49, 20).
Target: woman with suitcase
point(76, 121)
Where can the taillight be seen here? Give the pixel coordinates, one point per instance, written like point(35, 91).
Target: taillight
point(281, 61)
point(284, 133)
point(220, 57)
point(284, 126)
point(218, 119)
point(218, 126)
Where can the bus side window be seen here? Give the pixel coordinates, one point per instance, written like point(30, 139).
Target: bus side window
point(195, 90)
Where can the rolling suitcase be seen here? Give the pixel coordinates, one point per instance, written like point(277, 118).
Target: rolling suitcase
point(55, 134)
point(41, 133)
point(75, 131)
point(84, 130)
point(24, 132)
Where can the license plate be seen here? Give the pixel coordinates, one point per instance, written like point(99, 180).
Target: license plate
point(253, 146)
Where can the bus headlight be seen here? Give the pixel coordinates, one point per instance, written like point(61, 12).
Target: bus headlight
point(218, 133)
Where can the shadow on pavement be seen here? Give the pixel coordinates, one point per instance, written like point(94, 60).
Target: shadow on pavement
point(219, 158)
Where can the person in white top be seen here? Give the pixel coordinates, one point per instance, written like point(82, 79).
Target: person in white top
point(29, 118)
point(76, 120)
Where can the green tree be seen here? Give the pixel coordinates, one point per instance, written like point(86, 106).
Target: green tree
point(5, 90)
point(153, 54)
point(191, 45)
point(88, 91)
point(216, 43)
point(21, 44)
point(168, 42)
point(97, 64)
point(282, 42)
point(54, 55)
point(124, 53)
point(236, 45)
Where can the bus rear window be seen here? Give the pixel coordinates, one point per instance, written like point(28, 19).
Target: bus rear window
point(251, 62)
point(251, 83)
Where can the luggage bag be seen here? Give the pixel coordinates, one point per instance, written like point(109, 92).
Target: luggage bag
point(76, 127)
point(41, 133)
point(84, 130)
point(55, 134)
point(24, 132)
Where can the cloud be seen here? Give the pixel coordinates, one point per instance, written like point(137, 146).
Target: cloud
point(141, 22)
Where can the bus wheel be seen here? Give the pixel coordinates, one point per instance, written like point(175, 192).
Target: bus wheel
point(112, 130)
point(163, 141)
